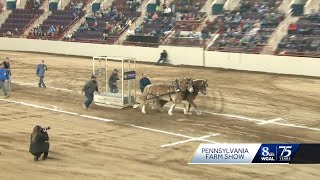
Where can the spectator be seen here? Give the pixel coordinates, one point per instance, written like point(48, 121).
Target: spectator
point(74, 16)
point(130, 32)
point(237, 18)
point(105, 36)
point(72, 6)
point(155, 16)
point(16, 32)
point(167, 10)
point(51, 30)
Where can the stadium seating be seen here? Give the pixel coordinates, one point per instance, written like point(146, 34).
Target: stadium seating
point(246, 29)
point(105, 26)
point(178, 15)
point(303, 37)
point(18, 21)
point(59, 21)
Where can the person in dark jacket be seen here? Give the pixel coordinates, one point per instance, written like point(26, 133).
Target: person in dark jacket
point(113, 81)
point(88, 89)
point(41, 69)
point(163, 57)
point(7, 67)
point(39, 143)
point(144, 81)
point(4, 75)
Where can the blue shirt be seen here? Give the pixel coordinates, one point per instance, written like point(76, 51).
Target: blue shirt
point(41, 69)
point(144, 82)
point(4, 75)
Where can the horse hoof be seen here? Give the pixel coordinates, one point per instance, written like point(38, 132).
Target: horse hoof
point(199, 113)
point(170, 114)
point(144, 112)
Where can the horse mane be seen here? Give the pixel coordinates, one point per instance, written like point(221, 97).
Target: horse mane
point(198, 80)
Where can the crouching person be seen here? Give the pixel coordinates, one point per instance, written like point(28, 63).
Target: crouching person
point(39, 143)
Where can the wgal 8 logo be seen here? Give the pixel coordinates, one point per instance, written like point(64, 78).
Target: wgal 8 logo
point(285, 153)
point(266, 154)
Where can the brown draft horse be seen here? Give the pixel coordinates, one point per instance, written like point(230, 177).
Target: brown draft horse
point(199, 85)
point(174, 92)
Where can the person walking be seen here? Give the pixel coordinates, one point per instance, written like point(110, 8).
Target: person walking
point(3, 77)
point(88, 89)
point(7, 67)
point(163, 57)
point(41, 69)
point(144, 81)
point(113, 81)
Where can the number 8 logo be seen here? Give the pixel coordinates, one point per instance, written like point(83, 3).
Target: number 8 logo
point(265, 151)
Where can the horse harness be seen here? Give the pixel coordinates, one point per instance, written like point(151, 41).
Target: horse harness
point(175, 85)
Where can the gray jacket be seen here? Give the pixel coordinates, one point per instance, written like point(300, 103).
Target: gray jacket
point(41, 69)
point(90, 87)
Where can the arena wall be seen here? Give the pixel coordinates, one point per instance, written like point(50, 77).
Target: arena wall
point(177, 56)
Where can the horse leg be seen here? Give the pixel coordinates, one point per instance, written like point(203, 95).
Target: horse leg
point(154, 103)
point(144, 104)
point(195, 106)
point(171, 109)
point(189, 106)
point(161, 104)
point(186, 109)
point(143, 109)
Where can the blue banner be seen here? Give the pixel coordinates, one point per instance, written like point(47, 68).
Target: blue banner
point(256, 153)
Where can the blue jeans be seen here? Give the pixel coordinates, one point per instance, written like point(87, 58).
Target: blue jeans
point(41, 82)
point(162, 59)
point(3, 87)
point(89, 100)
point(9, 81)
point(113, 88)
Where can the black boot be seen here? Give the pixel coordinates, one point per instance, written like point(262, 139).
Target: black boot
point(45, 155)
point(36, 158)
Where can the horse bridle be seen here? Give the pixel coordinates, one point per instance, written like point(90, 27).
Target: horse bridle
point(176, 85)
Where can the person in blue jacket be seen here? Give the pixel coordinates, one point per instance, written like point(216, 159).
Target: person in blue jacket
point(6, 64)
point(41, 69)
point(3, 77)
point(144, 81)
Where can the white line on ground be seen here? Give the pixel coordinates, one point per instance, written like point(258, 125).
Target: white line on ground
point(55, 110)
point(107, 120)
point(35, 85)
point(243, 118)
point(270, 121)
point(189, 140)
point(96, 118)
point(174, 134)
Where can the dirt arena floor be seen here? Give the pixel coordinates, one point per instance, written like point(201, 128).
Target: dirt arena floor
point(240, 107)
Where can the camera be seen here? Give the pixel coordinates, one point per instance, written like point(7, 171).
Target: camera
point(44, 129)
